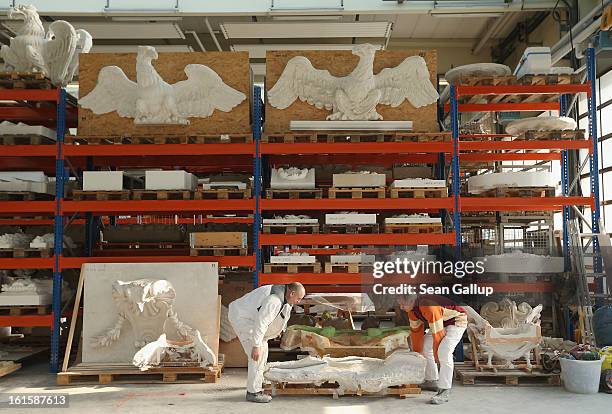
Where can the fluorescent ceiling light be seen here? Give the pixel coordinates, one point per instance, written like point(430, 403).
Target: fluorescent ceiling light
point(134, 48)
point(463, 15)
point(259, 51)
point(146, 18)
point(112, 30)
point(278, 30)
point(294, 18)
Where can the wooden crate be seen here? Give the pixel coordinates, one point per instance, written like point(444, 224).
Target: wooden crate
point(468, 375)
point(222, 239)
point(80, 195)
point(414, 228)
point(349, 267)
point(223, 194)
point(418, 192)
point(292, 267)
point(275, 389)
point(162, 194)
point(356, 192)
point(294, 194)
point(24, 80)
point(291, 228)
point(26, 252)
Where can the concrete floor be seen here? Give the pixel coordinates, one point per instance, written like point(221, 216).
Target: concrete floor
point(227, 397)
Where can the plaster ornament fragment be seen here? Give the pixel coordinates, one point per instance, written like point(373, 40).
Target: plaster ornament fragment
point(47, 241)
point(15, 240)
point(162, 350)
point(354, 97)
point(148, 306)
point(541, 123)
point(28, 291)
point(505, 313)
point(292, 178)
point(55, 53)
point(476, 69)
point(150, 100)
point(352, 373)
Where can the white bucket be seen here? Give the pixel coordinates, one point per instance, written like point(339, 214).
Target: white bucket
point(581, 377)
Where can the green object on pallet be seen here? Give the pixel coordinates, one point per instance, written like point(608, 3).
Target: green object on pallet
point(330, 331)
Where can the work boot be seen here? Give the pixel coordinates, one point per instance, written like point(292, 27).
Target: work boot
point(429, 386)
point(258, 397)
point(441, 397)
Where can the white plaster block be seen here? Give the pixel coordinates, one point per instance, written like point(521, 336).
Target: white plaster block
point(359, 180)
point(346, 218)
point(292, 178)
point(28, 186)
point(535, 61)
point(352, 258)
point(522, 179)
point(518, 262)
point(102, 180)
point(418, 183)
point(350, 125)
point(9, 128)
point(26, 299)
point(170, 180)
point(293, 259)
point(35, 176)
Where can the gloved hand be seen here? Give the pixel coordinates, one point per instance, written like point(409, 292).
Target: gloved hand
point(255, 353)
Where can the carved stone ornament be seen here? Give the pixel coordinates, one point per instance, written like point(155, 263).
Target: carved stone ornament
point(55, 53)
point(150, 100)
point(354, 97)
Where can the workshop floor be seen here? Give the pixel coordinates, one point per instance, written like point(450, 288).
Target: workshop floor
point(227, 396)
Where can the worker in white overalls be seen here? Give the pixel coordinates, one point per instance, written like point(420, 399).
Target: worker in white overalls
point(256, 317)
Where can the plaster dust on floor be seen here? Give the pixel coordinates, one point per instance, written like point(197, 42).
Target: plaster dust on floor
point(227, 397)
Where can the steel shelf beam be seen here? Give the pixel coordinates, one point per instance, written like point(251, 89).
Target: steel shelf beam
point(379, 239)
point(23, 321)
point(357, 148)
point(506, 107)
point(148, 206)
point(522, 203)
point(44, 150)
point(358, 204)
point(20, 207)
point(27, 263)
point(77, 262)
point(158, 150)
point(524, 145)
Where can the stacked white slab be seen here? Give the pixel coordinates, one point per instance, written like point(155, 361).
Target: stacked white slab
point(26, 181)
point(350, 218)
point(541, 123)
point(9, 128)
point(413, 219)
point(102, 180)
point(292, 178)
point(170, 180)
point(418, 183)
point(352, 258)
point(15, 240)
point(30, 292)
point(290, 220)
point(293, 258)
point(359, 179)
point(350, 125)
point(523, 179)
point(519, 262)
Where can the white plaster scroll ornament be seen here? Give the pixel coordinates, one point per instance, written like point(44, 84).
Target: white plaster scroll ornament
point(150, 100)
point(148, 306)
point(55, 53)
point(352, 373)
point(541, 123)
point(354, 97)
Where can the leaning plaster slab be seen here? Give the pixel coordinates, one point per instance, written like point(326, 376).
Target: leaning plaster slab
point(359, 179)
point(292, 178)
point(352, 373)
point(350, 218)
point(484, 182)
point(540, 123)
point(417, 183)
point(519, 262)
point(350, 125)
point(196, 291)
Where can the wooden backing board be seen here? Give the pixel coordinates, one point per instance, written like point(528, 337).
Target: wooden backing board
point(232, 67)
point(341, 63)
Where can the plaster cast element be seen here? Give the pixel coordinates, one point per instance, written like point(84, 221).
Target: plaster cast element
point(291, 219)
point(352, 373)
point(9, 128)
point(354, 97)
point(479, 183)
point(417, 183)
point(148, 306)
point(55, 53)
point(150, 100)
point(47, 241)
point(422, 218)
point(163, 350)
point(506, 313)
point(25, 291)
point(292, 178)
point(477, 69)
point(15, 240)
point(541, 123)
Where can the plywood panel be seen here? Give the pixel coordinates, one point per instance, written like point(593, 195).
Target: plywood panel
point(196, 303)
point(342, 63)
point(233, 67)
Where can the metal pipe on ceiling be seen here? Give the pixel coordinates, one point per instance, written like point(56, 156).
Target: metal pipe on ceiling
point(491, 31)
point(197, 39)
point(212, 34)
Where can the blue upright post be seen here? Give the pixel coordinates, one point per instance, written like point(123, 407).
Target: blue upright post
point(594, 160)
point(257, 176)
point(454, 110)
point(440, 175)
point(59, 229)
point(565, 188)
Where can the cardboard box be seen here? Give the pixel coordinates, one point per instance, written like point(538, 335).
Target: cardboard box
point(102, 180)
point(236, 239)
point(170, 180)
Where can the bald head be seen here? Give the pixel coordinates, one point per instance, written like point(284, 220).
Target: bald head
point(295, 293)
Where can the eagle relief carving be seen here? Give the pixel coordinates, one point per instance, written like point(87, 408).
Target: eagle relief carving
point(151, 100)
point(354, 97)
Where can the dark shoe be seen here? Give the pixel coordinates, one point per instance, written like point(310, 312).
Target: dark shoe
point(441, 397)
point(429, 386)
point(258, 397)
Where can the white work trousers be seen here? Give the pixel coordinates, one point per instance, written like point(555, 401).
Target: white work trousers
point(445, 356)
point(255, 368)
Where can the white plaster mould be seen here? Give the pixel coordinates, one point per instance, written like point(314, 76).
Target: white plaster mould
point(150, 100)
point(350, 218)
point(55, 53)
point(418, 183)
point(292, 178)
point(359, 179)
point(413, 219)
point(291, 219)
point(15, 240)
point(505, 313)
point(47, 241)
point(519, 262)
point(541, 123)
point(239, 185)
point(354, 97)
point(350, 126)
point(29, 292)
point(479, 183)
point(9, 128)
point(352, 373)
point(293, 258)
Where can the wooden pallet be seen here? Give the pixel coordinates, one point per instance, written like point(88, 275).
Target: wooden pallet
point(552, 135)
point(351, 228)
point(518, 192)
point(356, 192)
point(26, 252)
point(24, 196)
point(354, 137)
point(290, 138)
point(291, 228)
point(104, 373)
point(413, 228)
point(80, 195)
point(162, 194)
point(294, 194)
point(160, 139)
point(219, 251)
point(487, 80)
point(418, 192)
point(25, 139)
point(551, 79)
point(24, 80)
point(223, 194)
point(348, 267)
point(6, 367)
point(25, 310)
point(292, 267)
point(276, 389)
point(468, 375)
point(422, 137)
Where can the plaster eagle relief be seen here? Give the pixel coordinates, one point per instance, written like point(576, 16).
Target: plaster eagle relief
point(151, 100)
point(55, 53)
point(354, 97)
